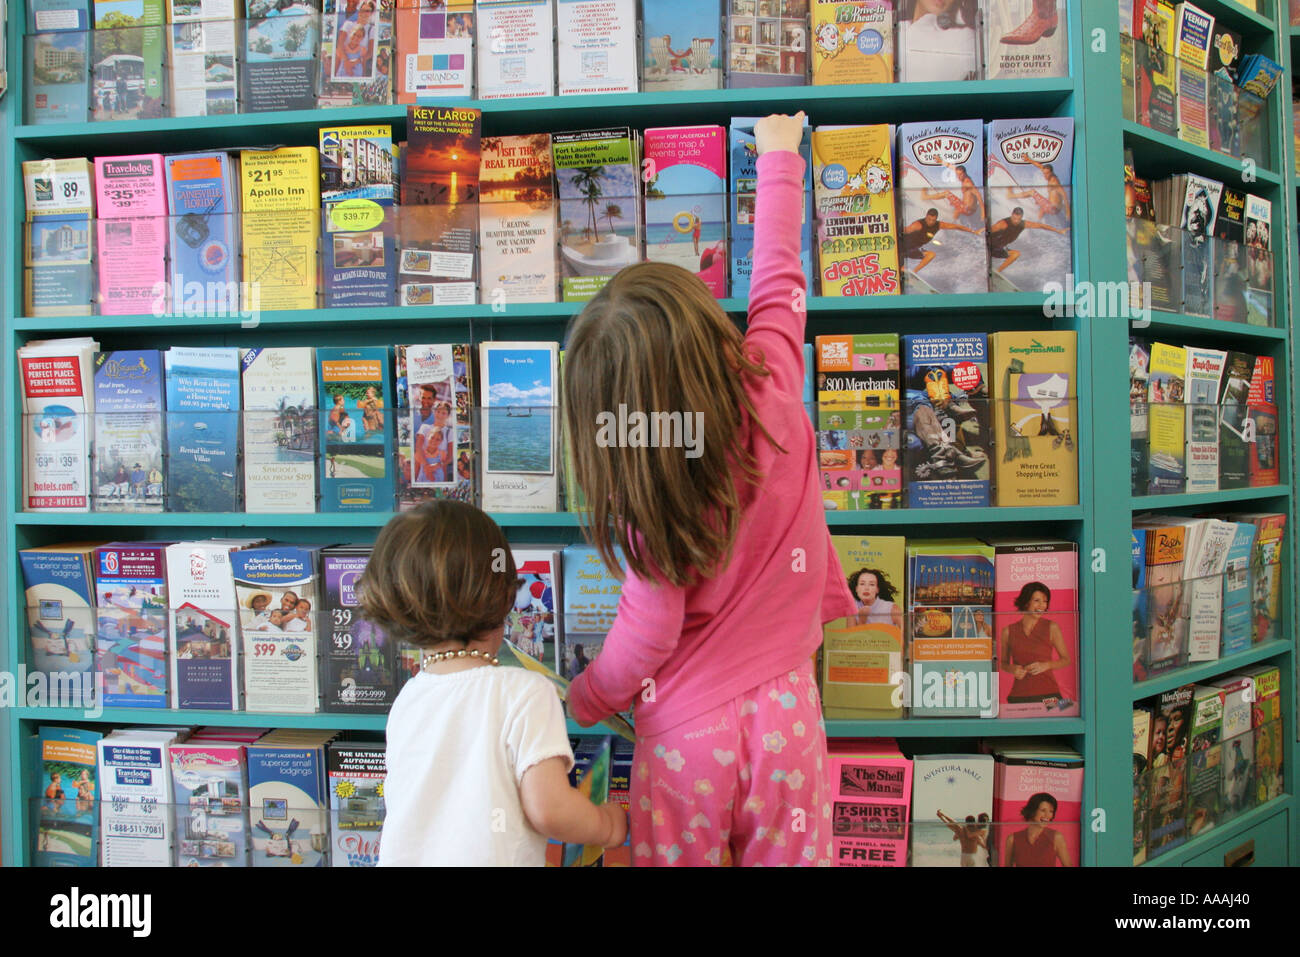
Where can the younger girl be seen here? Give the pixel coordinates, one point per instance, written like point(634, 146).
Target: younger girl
point(478, 755)
point(730, 568)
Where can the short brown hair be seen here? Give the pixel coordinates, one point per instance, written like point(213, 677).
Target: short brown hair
point(443, 572)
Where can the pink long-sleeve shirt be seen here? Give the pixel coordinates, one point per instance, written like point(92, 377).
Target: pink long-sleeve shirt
point(762, 615)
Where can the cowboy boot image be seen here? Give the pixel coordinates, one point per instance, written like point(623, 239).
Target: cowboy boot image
point(1040, 23)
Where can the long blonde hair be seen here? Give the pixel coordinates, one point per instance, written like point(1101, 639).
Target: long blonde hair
point(654, 340)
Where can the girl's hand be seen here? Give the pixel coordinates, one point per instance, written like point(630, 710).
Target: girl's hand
point(779, 132)
point(617, 820)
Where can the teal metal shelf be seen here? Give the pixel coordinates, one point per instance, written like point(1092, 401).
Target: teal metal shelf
point(541, 312)
point(954, 727)
point(1227, 496)
point(1158, 154)
point(1209, 669)
point(1240, 18)
point(275, 520)
point(1162, 322)
point(227, 719)
point(955, 516)
point(915, 516)
point(869, 103)
point(1224, 832)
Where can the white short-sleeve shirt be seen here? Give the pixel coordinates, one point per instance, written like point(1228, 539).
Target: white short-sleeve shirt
point(458, 747)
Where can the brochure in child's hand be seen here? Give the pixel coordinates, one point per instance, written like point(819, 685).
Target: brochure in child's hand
point(594, 786)
point(512, 655)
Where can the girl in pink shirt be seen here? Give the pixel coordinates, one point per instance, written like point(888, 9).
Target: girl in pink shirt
point(715, 504)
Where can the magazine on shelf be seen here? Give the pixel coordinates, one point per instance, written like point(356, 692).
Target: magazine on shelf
point(358, 196)
point(942, 227)
point(1025, 38)
point(280, 52)
point(58, 392)
point(356, 53)
point(202, 227)
point(1038, 806)
point(288, 798)
point(358, 660)
point(280, 224)
point(59, 594)
point(279, 446)
point(589, 599)
point(60, 15)
point(128, 60)
point(131, 624)
point(357, 429)
point(68, 791)
point(135, 783)
point(1168, 761)
point(952, 810)
point(1155, 62)
point(948, 446)
point(203, 635)
point(685, 174)
point(1035, 415)
point(744, 192)
point(862, 656)
point(853, 193)
point(1267, 447)
point(1205, 771)
point(58, 278)
point(852, 42)
point(203, 65)
point(1201, 393)
point(1234, 445)
point(516, 224)
point(520, 431)
point(1167, 462)
point(596, 46)
point(440, 207)
point(767, 43)
point(58, 87)
point(1237, 765)
point(596, 174)
point(859, 418)
point(515, 48)
point(435, 424)
point(210, 784)
point(1141, 781)
point(278, 594)
point(682, 45)
point(950, 596)
point(1200, 206)
point(356, 801)
point(871, 788)
point(131, 233)
point(203, 401)
point(435, 50)
point(1139, 370)
point(128, 474)
point(938, 44)
point(1037, 621)
point(1029, 189)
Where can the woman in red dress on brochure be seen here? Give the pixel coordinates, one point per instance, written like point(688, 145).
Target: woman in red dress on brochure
point(1028, 646)
point(1037, 845)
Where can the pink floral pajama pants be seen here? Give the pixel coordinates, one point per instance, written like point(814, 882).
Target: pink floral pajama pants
point(745, 784)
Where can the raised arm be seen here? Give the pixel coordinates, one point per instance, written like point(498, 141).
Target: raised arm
point(645, 634)
point(778, 288)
